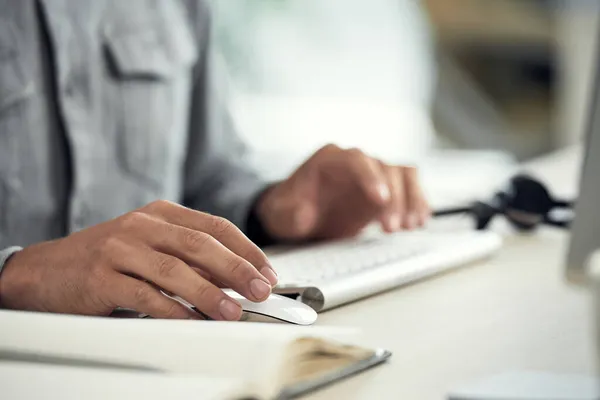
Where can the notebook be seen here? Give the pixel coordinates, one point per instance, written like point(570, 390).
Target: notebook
point(260, 361)
point(23, 381)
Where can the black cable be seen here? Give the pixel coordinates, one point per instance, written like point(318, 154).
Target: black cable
point(452, 211)
point(564, 204)
point(558, 224)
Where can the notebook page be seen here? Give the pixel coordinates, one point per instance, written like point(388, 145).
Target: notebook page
point(34, 381)
point(221, 349)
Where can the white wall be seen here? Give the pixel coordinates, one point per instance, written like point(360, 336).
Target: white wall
point(352, 72)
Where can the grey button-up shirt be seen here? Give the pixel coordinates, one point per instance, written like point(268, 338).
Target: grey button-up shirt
point(105, 106)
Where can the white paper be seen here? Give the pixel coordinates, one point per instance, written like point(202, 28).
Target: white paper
point(20, 381)
point(252, 352)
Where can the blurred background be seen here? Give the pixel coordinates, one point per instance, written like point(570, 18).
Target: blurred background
point(461, 88)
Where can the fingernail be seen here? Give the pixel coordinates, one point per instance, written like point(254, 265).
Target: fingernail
point(260, 289)
point(394, 222)
point(230, 310)
point(270, 274)
point(384, 192)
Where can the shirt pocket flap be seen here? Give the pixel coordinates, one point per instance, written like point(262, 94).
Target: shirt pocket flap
point(151, 51)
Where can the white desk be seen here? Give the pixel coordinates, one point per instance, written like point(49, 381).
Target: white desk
point(511, 312)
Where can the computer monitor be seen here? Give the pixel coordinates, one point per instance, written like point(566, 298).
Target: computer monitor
point(585, 236)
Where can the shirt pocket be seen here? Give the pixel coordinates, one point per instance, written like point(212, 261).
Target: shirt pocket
point(14, 85)
point(152, 69)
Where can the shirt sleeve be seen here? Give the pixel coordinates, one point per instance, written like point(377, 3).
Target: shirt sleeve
point(216, 178)
point(5, 254)
point(256, 231)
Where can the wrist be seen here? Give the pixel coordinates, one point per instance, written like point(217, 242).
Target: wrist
point(264, 207)
point(9, 278)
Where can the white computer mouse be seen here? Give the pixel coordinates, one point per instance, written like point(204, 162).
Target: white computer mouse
point(277, 307)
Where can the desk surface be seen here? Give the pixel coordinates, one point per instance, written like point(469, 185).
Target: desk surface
point(513, 311)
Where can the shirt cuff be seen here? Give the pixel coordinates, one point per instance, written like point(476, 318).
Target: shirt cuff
point(6, 254)
point(254, 227)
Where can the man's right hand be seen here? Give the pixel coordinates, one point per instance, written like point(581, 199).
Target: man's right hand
point(126, 262)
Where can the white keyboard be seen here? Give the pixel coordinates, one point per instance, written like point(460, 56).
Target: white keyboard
point(332, 274)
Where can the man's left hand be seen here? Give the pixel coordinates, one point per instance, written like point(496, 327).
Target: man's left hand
point(336, 193)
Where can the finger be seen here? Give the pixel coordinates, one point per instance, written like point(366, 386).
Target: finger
point(391, 218)
point(368, 175)
point(426, 211)
point(203, 274)
point(201, 250)
point(208, 277)
point(142, 297)
point(219, 228)
point(416, 208)
point(176, 277)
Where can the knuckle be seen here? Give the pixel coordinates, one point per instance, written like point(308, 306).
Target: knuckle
point(171, 310)
point(410, 171)
point(255, 256)
point(355, 153)
point(158, 205)
point(220, 226)
point(165, 266)
point(142, 294)
point(237, 266)
point(194, 241)
point(328, 148)
point(359, 157)
point(202, 292)
point(109, 245)
point(131, 220)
